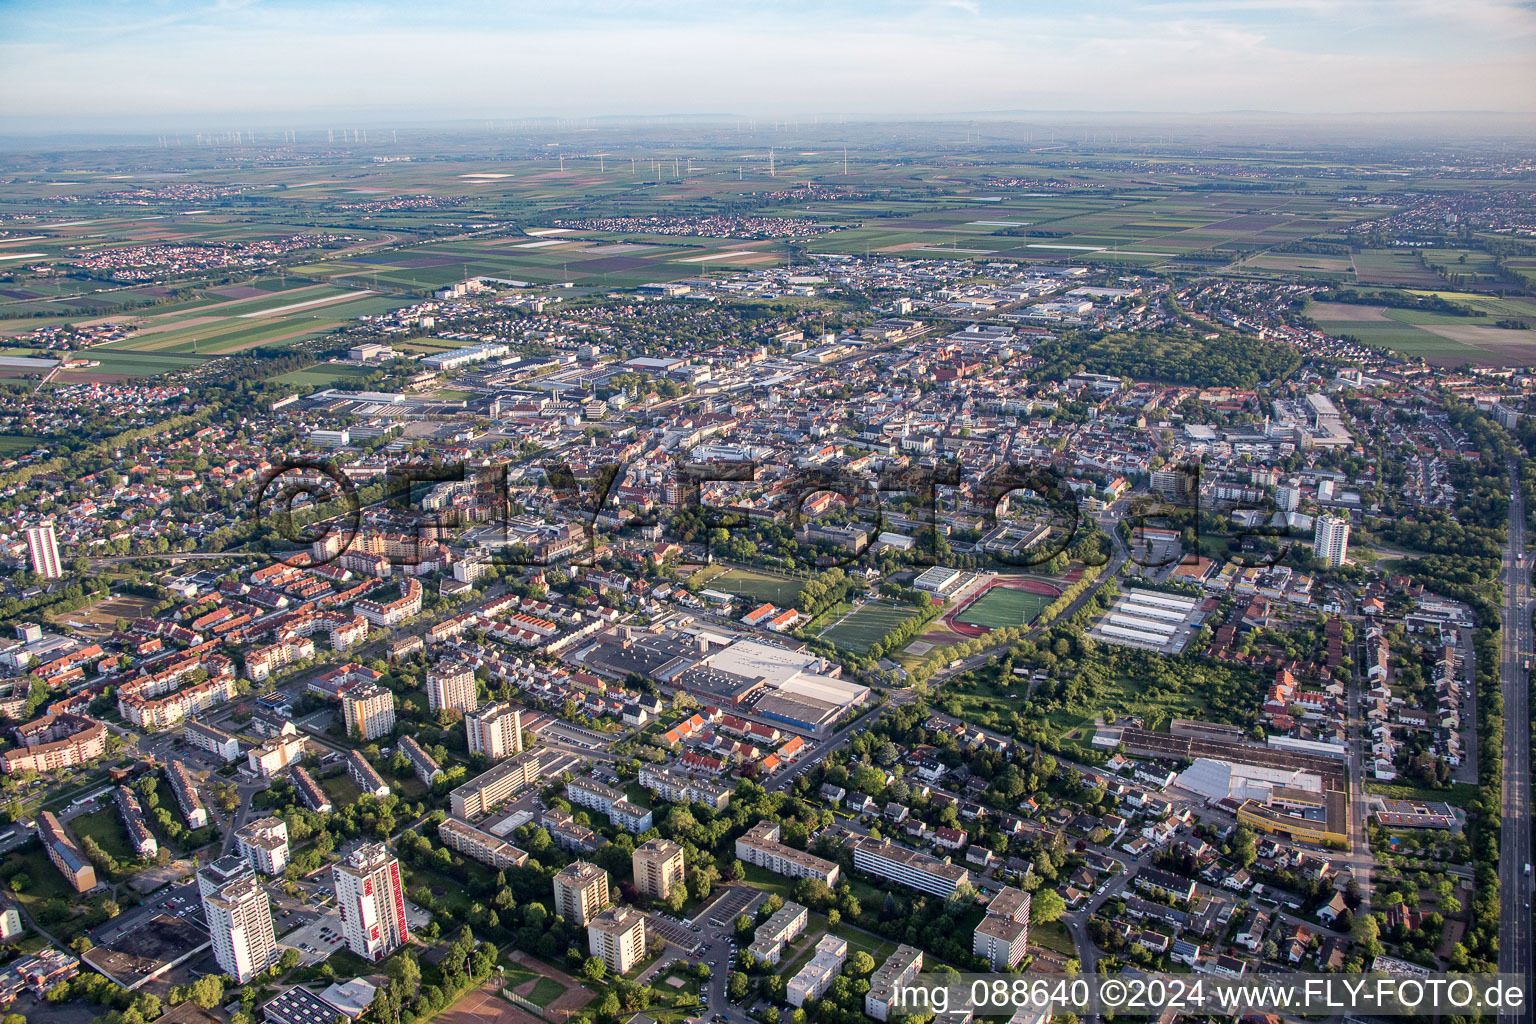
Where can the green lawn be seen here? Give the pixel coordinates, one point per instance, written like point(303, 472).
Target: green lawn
point(1053, 936)
point(546, 991)
point(107, 829)
point(1002, 606)
point(867, 624)
point(324, 376)
point(758, 587)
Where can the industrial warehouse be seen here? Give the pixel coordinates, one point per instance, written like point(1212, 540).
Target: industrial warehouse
point(797, 689)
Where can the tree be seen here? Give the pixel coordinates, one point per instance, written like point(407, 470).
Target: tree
point(861, 964)
point(593, 969)
point(737, 986)
point(1045, 906)
point(1244, 846)
point(207, 991)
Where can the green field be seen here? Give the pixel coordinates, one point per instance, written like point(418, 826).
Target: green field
point(1437, 338)
point(758, 587)
point(546, 991)
point(865, 625)
point(106, 828)
point(326, 375)
point(13, 444)
point(1002, 606)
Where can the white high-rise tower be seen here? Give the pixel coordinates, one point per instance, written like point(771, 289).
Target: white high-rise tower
point(372, 901)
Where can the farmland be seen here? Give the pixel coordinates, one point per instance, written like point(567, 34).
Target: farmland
point(1436, 338)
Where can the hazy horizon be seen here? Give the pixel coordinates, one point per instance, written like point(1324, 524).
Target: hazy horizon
point(85, 64)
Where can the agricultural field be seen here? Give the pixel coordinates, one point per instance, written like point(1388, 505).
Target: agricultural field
point(866, 624)
point(1437, 338)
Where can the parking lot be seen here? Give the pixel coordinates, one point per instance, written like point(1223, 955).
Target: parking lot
point(731, 904)
point(677, 933)
point(317, 937)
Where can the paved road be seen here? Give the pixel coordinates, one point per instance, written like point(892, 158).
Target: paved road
point(1515, 843)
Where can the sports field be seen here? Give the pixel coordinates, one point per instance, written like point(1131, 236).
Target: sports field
point(1004, 606)
point(864, 625)
point(758, 587)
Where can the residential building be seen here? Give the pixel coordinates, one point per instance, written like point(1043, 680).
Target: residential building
point(1001, 941)
point(264, 842)
point(65, 854)
point(581, 890)
point(451, 685)
point(658, 865)
point(1330, 540)
point(478, 844)
point(617, 938)
point(211, 738)
point(422, 763)
point(495, 730)
point(679, 788)
point(490, 788)
point(43, 551)
point(275, 754)
point(240, 921)
point(369, 711)
point(365, 776)
point(908, 867)
point(54, 741)
point(220, 872)
point(760, 846)
point(781, 928)
point(372, 901)
point(187, 797)
point(309, 791)
point(899, 969)
point(606, 800)
point(129, 809)
point(812, 981)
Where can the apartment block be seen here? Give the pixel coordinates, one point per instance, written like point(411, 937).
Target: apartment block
point(606, 800)
point(451, 685)
point(495, 730)
point(239, 919)
point(581, 890)
point(371, 900)
point(617, 938)
point(422, 763)
point(760, 846)
point(264, 842)
point(478, 844)
point(365, 776)
point(132, 813)
point(812, 981)
point(65, 854)
point(908, 867)
point(490, 788)
point(369, 711)
point(212, 739)
point(899, 969)
point(658, 866)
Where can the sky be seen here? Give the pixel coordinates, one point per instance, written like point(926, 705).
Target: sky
point(90, 62)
